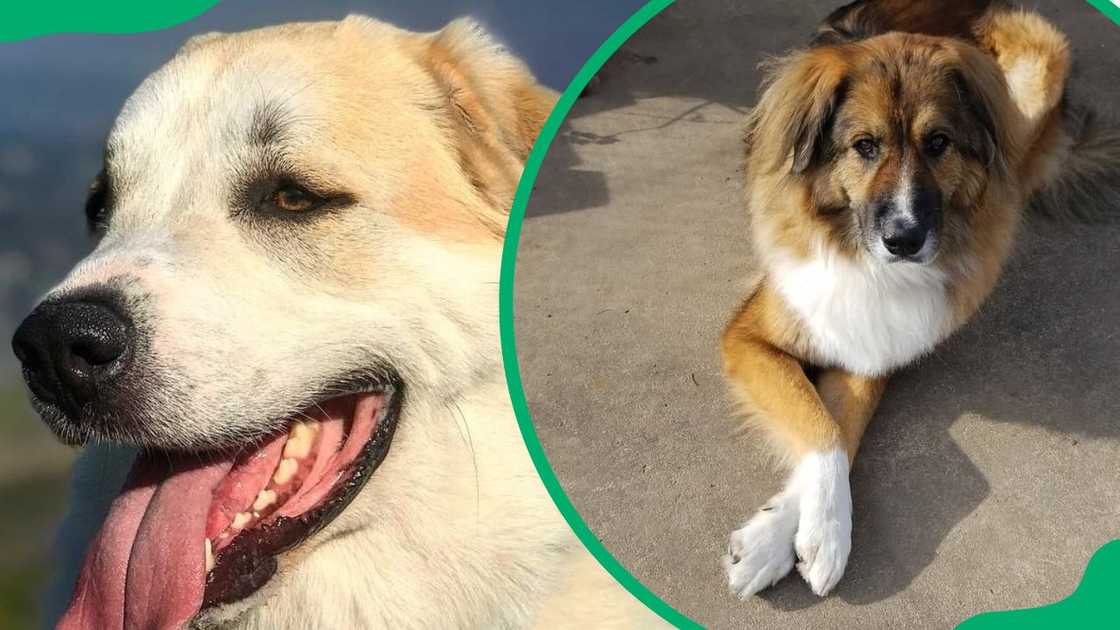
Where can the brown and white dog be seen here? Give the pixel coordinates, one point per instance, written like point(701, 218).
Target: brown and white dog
point(888, 167)
point(285, 346)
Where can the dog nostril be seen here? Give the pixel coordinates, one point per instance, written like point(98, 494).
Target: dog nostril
point(97, 346)
point(94, 340)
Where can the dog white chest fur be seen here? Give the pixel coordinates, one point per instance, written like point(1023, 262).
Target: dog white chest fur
point(867, 317)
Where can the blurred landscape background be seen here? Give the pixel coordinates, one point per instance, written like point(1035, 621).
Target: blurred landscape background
point(61, 94)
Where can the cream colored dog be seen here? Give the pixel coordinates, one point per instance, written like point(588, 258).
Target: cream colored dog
point(294, 295)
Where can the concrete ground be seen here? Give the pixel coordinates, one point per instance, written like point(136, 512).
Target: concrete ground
point(989, 475)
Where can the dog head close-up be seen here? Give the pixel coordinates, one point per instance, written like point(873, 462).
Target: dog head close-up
point(893, 141)
point(297, 234)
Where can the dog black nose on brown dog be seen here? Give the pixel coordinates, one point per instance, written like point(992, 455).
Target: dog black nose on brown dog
point(908, 221)
point(72, 351)
point(903, 237)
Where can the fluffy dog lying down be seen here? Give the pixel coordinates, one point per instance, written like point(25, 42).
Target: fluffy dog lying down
point(283, 353)
point(888, 166)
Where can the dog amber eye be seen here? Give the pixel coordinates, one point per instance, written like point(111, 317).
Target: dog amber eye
point(937, 144)
point(867, 149)
point(293, 199)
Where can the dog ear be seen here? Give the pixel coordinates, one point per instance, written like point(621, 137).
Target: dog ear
point(793, 118)
point(494, 105)
point(982, 92)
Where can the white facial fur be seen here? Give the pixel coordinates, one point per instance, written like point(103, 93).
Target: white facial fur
point(248, 318)
point(455, 528)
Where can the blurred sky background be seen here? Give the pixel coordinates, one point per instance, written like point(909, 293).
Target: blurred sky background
point(61, 94)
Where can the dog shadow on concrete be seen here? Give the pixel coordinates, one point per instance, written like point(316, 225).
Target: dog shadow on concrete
point(1043, 351)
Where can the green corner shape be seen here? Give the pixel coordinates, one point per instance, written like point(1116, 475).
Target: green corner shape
point(21, 20)
point(1095, 604)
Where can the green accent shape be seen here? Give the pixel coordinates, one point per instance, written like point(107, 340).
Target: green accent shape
point(1108, 8)
point(1095, 604)
point(509, 343)
point(1088, 607)
point(21, 20)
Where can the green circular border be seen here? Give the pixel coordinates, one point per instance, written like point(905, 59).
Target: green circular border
point(1082, 613)
point(505, 301)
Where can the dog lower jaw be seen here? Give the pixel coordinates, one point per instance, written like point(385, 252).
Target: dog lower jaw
point(238, 513)
point(292, 512)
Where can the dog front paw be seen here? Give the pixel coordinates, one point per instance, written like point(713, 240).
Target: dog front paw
point(824, 530)
point(761, 552)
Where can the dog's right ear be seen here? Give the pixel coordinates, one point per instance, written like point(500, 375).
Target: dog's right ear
point(791, 123)
point(494, 105)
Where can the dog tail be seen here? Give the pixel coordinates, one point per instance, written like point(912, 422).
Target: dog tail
point(1083, 185)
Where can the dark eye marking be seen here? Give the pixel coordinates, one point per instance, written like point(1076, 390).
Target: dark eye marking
point(936, 144)
point(287, 196)
point(867, 148)
point(98, 208)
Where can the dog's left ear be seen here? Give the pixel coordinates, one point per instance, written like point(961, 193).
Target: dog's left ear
point(495, 106)
point(983, 93)
point(791, 122)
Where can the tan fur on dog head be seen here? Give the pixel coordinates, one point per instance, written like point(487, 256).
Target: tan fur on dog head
point(253, 305)
point(482, 100)
point(898, 93)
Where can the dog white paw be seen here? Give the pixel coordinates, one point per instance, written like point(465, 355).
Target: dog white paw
point(824, 530)
point(812, 517)
point(761, 552)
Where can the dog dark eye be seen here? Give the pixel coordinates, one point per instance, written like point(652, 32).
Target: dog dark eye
point(285, 197)
point(937, 144)
point(292, 198)
point(867, 148)
point(97, 205)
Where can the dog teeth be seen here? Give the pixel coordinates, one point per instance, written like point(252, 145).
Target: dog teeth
point(299, 441)
point(240, 520)
point(285, 471)
point(209, 556)
point(264, 499)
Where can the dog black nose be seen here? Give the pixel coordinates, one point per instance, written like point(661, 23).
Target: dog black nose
point(904, 238)
point(71, 351)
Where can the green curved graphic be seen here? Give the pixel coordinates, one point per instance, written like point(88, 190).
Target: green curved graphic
point(47, 17)
point(1093, 605)
point(509, 343)
point(1090, 606)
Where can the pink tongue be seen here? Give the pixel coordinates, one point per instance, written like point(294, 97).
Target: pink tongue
point(146, 570)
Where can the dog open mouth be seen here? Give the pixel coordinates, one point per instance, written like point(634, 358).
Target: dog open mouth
point(189, 531)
